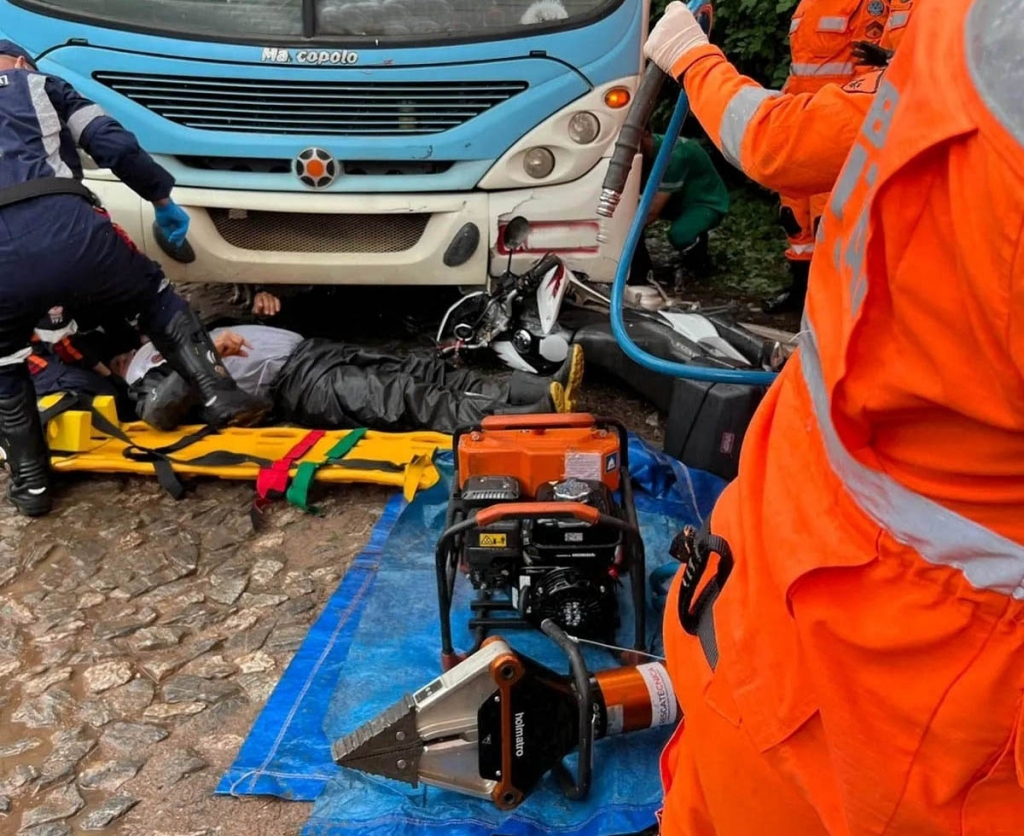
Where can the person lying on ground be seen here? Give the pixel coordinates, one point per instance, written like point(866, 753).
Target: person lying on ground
point(321, 384)
point(93, 364)
point(91, 358)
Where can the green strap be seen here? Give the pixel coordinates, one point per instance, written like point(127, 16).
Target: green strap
point(298, 491)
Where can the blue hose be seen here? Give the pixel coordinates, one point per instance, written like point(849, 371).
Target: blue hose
point(636, 230)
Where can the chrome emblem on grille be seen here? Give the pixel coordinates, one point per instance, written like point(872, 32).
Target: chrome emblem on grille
point(316, 168)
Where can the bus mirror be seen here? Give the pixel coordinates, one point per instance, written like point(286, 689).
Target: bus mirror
point(516, 232)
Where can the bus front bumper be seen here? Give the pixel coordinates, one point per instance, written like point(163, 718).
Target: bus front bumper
point(368, 239)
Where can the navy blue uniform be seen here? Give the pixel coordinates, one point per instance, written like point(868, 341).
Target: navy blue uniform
point(60, 249)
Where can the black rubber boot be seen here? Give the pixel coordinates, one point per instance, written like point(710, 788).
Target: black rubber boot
point(164, 399)
point(188, 349)
point(695, 260)
point(792, 298)
point(553, 400)
point(23, 448)
point(641, 266)
point(527, 389)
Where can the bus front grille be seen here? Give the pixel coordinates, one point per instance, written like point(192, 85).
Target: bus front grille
point(299, 232)
point(339, 108)
point(258, 165)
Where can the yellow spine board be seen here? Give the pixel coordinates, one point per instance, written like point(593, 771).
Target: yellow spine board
point(402, 460)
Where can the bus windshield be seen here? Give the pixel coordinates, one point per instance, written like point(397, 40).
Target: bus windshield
point(271, 19)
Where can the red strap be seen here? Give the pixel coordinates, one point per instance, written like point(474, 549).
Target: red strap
point(273, 481)
point(36, 364)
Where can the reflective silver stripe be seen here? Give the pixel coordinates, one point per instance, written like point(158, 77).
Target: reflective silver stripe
point(49, 125)
point(17, 357)
point(898, 19)
point(831, 68)
point(800, 249)
point(833, 23)
point(82, 119)
point(59, 334)
point(793, 24)
point(736, 119)
point(995, 46)
point(940, 536)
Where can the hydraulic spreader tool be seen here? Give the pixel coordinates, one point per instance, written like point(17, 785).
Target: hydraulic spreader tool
point(495, 724)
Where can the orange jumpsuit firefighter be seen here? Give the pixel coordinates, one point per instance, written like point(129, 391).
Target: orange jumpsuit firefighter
point(867, 54)
point(861, 671)
point(821, 43)
point(896, 24)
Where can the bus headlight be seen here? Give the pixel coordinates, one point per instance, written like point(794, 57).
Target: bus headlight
point(584, 128)
point(538, 163)
point(565, 146)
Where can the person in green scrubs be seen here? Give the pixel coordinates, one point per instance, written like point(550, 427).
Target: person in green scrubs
point(692, 198)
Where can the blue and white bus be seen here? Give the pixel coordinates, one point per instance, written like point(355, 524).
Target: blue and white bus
point(357, 141)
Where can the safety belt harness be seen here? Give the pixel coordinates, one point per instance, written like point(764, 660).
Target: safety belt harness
point(43, 186)
point(159, 457)
point(694, 549)
point(298, 492)
point(272, 480)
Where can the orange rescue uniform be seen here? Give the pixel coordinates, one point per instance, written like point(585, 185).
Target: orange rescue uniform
point(896, 24)
point(821, 38)
point(869, 671)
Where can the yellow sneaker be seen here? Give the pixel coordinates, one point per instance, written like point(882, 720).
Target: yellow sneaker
point(557, 393)
point(575, 380)
point(570, 376)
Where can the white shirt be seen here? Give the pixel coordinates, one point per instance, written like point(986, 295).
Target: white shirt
point(271, 348)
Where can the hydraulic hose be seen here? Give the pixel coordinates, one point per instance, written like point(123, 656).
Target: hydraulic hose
point(618, 172)
point(628, 143)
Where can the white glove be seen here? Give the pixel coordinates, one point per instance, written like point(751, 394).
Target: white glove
point(676, 34)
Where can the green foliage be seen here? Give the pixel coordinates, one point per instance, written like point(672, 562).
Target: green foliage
point(747, 248)
point(753, 33)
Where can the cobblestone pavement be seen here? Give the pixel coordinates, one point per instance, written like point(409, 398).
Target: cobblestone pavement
point(139, 638)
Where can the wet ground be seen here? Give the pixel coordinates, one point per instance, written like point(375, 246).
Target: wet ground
point(140, 637)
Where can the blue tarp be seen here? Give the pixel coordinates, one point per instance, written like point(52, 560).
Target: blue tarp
point(378, 639)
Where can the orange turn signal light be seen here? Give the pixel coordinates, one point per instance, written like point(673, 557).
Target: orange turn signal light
point(617, 97)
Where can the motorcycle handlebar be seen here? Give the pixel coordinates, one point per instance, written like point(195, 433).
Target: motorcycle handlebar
point(538, 271)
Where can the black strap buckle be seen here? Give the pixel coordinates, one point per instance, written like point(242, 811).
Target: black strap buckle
point(694, 549)
point(43, 186)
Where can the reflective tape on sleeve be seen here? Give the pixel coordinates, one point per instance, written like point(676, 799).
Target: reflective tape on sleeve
point(995, 44)
point(16, 358)
point(802, 249)
point(737, 117)
point(831, 68)
point(833, 23)
point(82, 119)
point(940, 536)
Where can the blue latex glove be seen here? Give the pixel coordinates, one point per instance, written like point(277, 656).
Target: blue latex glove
point(173, 221)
